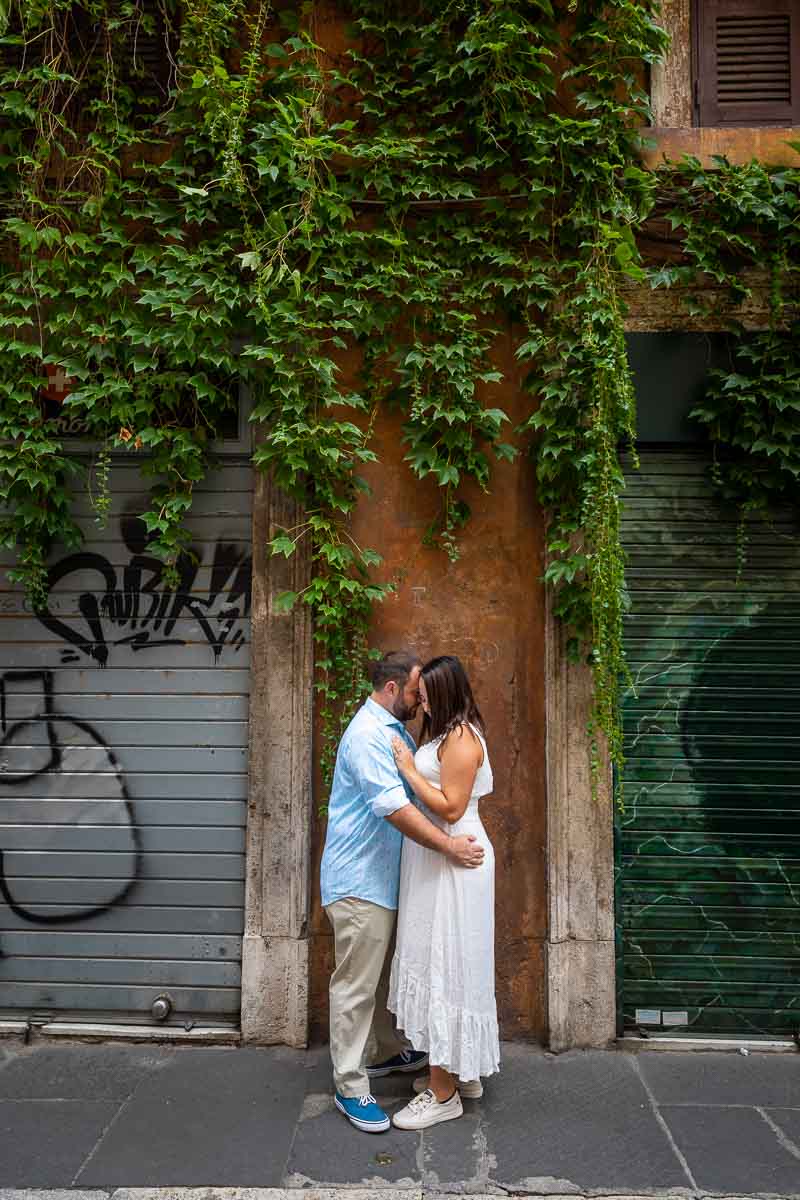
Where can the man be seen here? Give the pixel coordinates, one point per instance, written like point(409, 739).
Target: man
point(369, 813)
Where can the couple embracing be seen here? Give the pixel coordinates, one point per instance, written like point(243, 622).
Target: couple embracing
point(407, 860)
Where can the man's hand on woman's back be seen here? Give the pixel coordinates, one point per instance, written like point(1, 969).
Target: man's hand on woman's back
point(466, 851)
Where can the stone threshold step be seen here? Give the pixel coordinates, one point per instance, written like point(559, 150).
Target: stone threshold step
point(89, 1031)
point(362, 1193)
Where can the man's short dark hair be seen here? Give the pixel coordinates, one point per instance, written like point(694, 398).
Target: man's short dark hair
point(396, 665)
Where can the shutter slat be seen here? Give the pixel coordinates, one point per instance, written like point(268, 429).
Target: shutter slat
point(756, 64)
point(760, 81)
point(751, 91)
point(735, 71)
point(769, 30)
point(745, 81)
point(760, 51)
point(752, 62)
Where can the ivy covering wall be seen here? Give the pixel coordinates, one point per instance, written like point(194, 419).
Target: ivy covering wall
point(202, 197)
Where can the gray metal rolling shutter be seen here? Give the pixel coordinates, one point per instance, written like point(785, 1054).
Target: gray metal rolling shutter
point(123, 769)
point(709, 885)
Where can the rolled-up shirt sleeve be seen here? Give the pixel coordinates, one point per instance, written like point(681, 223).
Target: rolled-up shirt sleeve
point(381, 782)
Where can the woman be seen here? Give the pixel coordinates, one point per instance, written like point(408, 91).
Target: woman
point(442, 983)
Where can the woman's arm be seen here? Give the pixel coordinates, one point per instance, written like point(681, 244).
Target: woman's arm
point(464, 851)
point(461, 758)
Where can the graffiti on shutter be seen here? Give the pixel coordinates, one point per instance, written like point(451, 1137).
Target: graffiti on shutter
point(709, 888)
point(123, 742)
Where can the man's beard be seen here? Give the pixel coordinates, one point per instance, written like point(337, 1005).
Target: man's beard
point(401, 710)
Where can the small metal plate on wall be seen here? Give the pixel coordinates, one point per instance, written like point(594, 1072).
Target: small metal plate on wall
point(648, 1016)
point(668, 1017)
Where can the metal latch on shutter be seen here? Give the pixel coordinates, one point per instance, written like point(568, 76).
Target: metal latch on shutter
point(35, 1021)
point(161, 1007)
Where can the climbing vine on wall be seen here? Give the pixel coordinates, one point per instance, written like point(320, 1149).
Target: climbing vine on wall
point(329, 211)
point(735, 220)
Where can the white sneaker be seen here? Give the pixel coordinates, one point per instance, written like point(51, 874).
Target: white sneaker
point(468, 1089)
point(425, 1110)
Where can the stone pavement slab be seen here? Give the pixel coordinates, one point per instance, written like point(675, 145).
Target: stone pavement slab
point(44, 1142)
point(733, 1149)
point(578, 1120)
point(326, 1150)
point(456, 1157)
point(213, 1116)
point(319, 1077)
point(723, 1078)
point(788, 1121)
point(75, 1072)
point(134, 1122)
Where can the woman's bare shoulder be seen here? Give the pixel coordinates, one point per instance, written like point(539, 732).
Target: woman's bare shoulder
point(462, 744)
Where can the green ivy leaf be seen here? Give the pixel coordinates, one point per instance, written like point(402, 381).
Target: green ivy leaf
point(284, 602)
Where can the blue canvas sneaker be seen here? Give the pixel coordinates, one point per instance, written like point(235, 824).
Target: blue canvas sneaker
point(363, 1112)
point(406, 1060)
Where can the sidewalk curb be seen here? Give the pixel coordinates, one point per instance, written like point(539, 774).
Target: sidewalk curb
point(373, 1193)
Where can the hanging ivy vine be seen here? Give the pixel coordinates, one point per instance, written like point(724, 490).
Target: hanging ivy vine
point(329, 212)
point(737, 222)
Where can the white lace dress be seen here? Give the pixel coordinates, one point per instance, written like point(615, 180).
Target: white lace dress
point(442, 983)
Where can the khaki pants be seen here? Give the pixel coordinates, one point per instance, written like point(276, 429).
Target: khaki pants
point(362, 1029)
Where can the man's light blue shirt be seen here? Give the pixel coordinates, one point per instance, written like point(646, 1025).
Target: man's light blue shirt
point(362, 849)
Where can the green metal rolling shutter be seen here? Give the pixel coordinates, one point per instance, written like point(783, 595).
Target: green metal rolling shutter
point(709, 843)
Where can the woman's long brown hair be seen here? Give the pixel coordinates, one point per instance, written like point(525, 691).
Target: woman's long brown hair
point(450, 698)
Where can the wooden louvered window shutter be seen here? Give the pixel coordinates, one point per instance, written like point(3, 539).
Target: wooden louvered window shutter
point(747, 62)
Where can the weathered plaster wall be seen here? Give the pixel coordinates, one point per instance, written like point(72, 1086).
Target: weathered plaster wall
point(489, 609)
point(671, 80)
point(275, 946)
point(665, 309)
point(770, 145)
point(580, 863)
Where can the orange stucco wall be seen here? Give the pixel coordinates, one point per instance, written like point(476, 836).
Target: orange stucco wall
point(488, 608)
point(769, 145)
